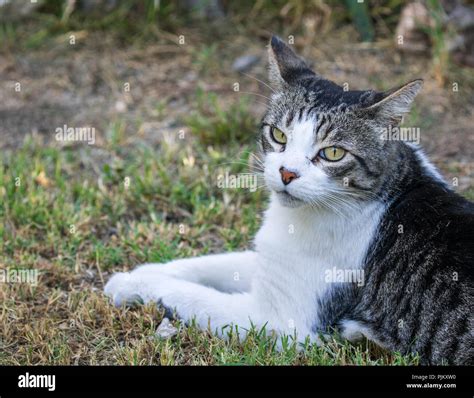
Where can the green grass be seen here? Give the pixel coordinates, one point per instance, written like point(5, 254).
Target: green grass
point(161, 191)
point(212, 122)
point(438, 38)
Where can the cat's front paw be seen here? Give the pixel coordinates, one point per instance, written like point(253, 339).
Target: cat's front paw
point(122, 289)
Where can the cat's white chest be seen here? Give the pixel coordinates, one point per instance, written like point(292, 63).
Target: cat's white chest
point(299, 251)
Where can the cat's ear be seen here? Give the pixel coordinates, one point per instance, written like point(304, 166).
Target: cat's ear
point(392, 105)
point(285, 66)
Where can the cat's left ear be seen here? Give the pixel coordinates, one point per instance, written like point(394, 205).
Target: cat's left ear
point(285, 66)
point(393, 104)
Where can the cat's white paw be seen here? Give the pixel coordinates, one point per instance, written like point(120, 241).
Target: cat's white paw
point(122, 289)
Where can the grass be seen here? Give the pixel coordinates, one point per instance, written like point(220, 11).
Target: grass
point(77, 224)
point(212, 122)
point(438, 37)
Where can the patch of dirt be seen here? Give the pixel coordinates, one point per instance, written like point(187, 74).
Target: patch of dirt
point(97, 83)
point(88, 86)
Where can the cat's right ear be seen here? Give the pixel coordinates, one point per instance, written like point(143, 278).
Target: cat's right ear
point(393, 104)
point(285, 67)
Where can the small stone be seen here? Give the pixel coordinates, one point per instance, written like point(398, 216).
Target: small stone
point(120, 106)
point(245, 63)
point(166, 330)
point(63, 326)
point(90, 274)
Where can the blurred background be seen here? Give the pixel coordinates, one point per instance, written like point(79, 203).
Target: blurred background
point(174, 92)
point(143, 71)
point(73, 59)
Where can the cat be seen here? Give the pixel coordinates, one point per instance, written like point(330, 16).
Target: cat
point(344, 201)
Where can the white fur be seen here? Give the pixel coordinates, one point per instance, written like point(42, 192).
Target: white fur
point(355, 331)
point(426, 164)
point(296, 247)
point(278, 284)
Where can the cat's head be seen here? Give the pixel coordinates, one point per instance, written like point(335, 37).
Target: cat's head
point(322, 144)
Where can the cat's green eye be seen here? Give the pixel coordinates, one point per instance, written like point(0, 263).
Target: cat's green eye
point(278, 136)
point(332, 153)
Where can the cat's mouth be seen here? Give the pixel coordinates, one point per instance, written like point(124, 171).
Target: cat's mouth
point(288, 199)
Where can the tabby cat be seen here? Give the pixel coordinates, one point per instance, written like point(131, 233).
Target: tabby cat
point(345, 201)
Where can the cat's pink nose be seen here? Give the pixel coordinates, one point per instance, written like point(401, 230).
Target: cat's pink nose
point(287, 176)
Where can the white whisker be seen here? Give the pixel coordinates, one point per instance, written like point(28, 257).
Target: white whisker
point(261, 81)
